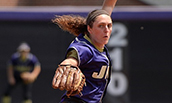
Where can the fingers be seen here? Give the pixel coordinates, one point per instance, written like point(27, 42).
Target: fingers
point(57, 76)
point(76, 81)
point(64, 79)
point(70, 80)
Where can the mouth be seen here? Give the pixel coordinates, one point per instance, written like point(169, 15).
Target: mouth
point(106, 37)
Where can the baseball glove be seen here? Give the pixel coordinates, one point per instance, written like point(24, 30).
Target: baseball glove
point(69, 78)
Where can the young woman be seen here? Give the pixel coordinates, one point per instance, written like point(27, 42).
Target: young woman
point(23, 68)
point(88, 51)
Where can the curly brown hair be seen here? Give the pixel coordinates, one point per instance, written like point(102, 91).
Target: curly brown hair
point(74, 24)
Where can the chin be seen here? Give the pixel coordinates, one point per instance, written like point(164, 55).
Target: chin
point(106, 42)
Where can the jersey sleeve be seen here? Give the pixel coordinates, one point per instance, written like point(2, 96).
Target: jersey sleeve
point(35, 60)
point(11, 61)
point(73, 54)
point(82, 53)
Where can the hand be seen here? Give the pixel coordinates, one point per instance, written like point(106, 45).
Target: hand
point(11, 81)
point(27, 77)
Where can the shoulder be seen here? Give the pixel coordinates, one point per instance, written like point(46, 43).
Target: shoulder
point(15, 56)
point(81, 45)
point(83, 49)
point(32, 57)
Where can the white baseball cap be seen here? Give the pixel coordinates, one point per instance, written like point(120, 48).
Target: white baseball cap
point(23, 47)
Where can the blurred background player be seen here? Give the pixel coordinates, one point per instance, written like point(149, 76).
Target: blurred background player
point(23, 68)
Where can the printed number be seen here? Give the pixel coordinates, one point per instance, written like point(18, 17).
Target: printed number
point(119, 32)
point(102, 72)
point(118, 84)
point(116, 55)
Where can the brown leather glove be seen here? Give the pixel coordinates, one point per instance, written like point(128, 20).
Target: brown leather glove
point(69, 78)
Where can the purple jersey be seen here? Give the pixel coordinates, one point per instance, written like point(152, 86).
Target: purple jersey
point(95, 65)
point(23, 66)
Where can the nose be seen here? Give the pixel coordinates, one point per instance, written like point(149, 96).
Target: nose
point(106, 28)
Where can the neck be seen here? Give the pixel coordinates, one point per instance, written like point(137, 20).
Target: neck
point(98, 47)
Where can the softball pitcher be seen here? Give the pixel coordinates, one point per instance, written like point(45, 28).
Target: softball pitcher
point(87, 60)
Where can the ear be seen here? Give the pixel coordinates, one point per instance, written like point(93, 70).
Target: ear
point(89, 29)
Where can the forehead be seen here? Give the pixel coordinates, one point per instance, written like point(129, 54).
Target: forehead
point(103, 19)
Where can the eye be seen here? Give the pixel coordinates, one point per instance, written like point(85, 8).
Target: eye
point(109, 25)
point(101, 26)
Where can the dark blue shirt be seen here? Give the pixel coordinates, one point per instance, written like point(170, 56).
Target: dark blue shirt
point(20, 65)
point(95, 65)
